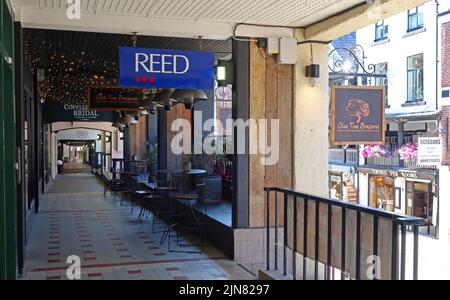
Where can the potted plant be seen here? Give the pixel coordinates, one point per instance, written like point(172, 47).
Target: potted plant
point(224, 170)
point(151, 156)
point(213, 187)
point(376, 151)
point(408, 152)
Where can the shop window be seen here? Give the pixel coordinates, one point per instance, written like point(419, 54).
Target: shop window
point(382, 192)
point(415, 78)
point(415, 18)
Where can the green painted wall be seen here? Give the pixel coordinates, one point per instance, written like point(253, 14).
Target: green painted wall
point(8, 207)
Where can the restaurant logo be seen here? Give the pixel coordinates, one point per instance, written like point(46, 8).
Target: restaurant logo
point(162, 68)
point(358, 108)
point(357, 115)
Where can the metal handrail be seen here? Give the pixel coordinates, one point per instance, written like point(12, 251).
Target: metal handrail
point(399, 221)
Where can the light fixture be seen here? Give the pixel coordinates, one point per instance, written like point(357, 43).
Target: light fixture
point(189, 97)
point(118, 125)
point(224, 73)
point(121, 135)
point(164, 99)
point(127, 119)
point(142, 112)
point(99, 137)
point(221, 73)
point(312, 70)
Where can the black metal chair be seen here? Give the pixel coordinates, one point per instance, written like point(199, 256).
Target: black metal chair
point(183, 217)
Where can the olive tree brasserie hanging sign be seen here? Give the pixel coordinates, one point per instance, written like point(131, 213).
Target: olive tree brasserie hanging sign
point(357, 115)
point(162, 68)
point(115, 98)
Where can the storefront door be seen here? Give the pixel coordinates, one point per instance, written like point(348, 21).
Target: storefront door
point(420, 200)
point(8, 210)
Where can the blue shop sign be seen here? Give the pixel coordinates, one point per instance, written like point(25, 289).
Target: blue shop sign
point(157, 68)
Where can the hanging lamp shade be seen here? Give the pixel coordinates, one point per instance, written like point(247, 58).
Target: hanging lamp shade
point(200, 95)
point(189, 97)
point(127, 119)
point(165, 98)
point(142, 112)
point(118, 125)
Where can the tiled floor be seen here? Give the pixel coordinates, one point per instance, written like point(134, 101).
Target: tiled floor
point(75, 219)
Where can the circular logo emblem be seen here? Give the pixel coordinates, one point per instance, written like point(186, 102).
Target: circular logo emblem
point(82, 134)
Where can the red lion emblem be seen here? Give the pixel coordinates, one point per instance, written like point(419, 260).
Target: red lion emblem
point(357, 108)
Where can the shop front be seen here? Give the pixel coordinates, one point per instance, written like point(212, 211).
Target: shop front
point(410, 192)
point(343, 183)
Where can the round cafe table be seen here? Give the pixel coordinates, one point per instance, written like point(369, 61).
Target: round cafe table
point(194, 172)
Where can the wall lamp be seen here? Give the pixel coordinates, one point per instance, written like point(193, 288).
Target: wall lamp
point(108, 139)
point(224, 73)
point(99, 137)
point(312, 72)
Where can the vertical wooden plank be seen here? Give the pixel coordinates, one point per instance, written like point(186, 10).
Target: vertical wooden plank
point(336, 239)
point(271, 114)
point(350, 243)
point(366, 243)
point(285, 116)
point(323, 230)
point(257, 112)
point(385, 247)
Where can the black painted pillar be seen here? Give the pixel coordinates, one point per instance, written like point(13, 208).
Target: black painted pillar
point(241, 110)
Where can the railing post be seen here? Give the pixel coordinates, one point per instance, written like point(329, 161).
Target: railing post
point(329, 240)
point(403, 254)
point(375, 240)
point(276, 230)
point(416, 253)
point(316, 248)
point(294, 248)
point(305, 236)
point(268, 229)
point(343, 234)
point(358, 246)
point(285, 235)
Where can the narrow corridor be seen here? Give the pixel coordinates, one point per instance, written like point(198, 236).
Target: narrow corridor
point(76, 219)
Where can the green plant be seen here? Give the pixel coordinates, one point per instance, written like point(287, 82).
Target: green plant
point(151, 153)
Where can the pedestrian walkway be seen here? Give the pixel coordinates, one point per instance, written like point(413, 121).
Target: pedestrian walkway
point(75, 219)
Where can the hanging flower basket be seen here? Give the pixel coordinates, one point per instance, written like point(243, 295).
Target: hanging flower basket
point(376, 151)
point(408, 152)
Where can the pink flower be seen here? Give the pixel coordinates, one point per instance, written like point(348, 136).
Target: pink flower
point(408, 152)
point(376, 151)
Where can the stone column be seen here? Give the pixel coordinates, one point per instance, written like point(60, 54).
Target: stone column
point(311, 121)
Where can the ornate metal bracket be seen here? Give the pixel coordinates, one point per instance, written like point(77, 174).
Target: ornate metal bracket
point(353, 64)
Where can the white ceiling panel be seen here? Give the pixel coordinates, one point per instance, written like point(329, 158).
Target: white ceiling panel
point(292, 13)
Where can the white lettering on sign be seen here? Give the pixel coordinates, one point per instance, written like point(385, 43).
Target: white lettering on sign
point(165, 63)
